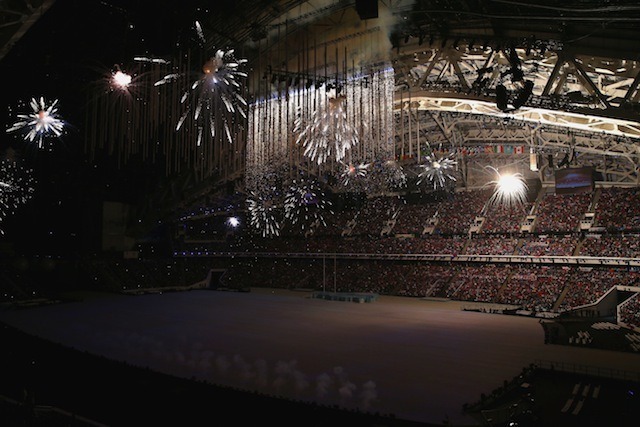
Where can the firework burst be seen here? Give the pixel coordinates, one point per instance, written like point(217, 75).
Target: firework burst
point(352, 172)
point(305, 203)
point(393, 174)
point(16, 188)
point(121, 82)
point(43, 121)
point(264, 211)
point(509, 189)
point(329, 134)
point(126, 80)
point(214, 95)
point(438, 170)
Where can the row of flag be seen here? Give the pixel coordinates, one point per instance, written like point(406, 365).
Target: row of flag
point(488, 149)
point(472, 150)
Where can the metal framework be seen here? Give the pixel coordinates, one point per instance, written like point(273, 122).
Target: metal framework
point(569, 91)
point(578, 104)
point(16, 17)
point(497, 81)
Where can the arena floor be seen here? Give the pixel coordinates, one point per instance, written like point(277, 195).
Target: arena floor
point(418, 359)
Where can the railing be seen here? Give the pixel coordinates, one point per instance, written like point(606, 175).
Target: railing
point(519, 259)
point(592, 371)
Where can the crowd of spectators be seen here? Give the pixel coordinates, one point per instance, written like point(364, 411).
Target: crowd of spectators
point(374, 214)
point(562, 213)
point(533, 287)
point(455, 216)
point(629, 312)
point(451, 214)
point(626, 214)
point(587, 285)
point(623, 245)
point(491, 245)
point(208, 241)
point(413, 218)
point(424, 280)
point(504, 219)
point(479, 283)
point(537, 288)
point(548, 245)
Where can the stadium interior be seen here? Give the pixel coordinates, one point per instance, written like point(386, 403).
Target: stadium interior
point(478, 152)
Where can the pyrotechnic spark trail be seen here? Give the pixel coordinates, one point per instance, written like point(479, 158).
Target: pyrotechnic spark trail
point(233, 222)
point(438, 170)
point(510, 189)
point(122, 83)
point(353, 172)
point(263, 212)
point(150, 60)
point(215, 93)
point(41, 122)
point(394, 174)
point(305, 203)
point(16, 188)
point(121, 80)
point(329, 134)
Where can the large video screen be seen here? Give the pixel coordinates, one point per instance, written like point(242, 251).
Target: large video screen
point(574, 180)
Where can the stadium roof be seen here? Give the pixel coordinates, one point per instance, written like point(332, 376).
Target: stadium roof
point(449, 58)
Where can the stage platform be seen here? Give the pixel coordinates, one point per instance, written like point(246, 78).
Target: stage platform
point(345, 296)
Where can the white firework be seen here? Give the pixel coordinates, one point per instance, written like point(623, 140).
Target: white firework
point(509, 189)
point(438, 170)
point(329, 134)
point(263, 214)
point(150, 60)
point(16, 188)
point(232, 222)
point(305, 203)
point(352, 172)
point(122, 83)
point(44, 120)
point(213, 97)
point(394, 174)
point(121, 80)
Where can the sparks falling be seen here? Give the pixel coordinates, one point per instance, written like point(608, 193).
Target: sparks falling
point(305, 203)
point(121, 83)
point(510, 189)
point(213, 97)
point(43, 121)
point(329, 134)
point(263, 212)
point(352, 172)
point(16, 188)
point(393, 174)
point(121, 80)
point(438, 170)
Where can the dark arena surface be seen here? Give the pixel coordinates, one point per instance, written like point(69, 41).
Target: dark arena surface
point(411, 359)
